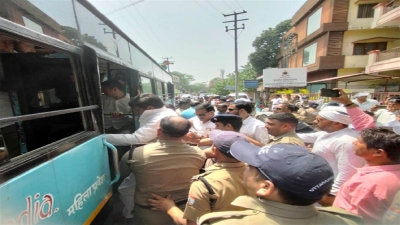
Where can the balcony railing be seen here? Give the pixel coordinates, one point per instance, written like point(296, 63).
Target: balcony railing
point(388, 54)
point(390, 6)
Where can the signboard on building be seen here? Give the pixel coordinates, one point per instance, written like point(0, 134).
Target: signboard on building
point(250, 83)
point(285, 77)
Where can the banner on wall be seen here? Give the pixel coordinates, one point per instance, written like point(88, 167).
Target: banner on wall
point(284, 77)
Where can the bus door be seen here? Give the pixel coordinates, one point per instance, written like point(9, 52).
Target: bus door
point(54, 166)
point(118, 114)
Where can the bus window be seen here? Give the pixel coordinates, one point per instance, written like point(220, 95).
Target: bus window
point(166, 94)
point(36, 80)
point(160, 90)
point(146, 85)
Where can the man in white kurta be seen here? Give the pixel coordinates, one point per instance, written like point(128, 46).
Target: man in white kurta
point(384, 116)
point(151, 110)
point(254, 129)
point(363, 102)
point(335, 143)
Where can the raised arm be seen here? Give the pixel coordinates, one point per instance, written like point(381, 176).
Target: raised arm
point(360, 120)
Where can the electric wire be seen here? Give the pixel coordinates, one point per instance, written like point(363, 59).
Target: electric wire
point(239, 4)
point(206, 9)
point(124, 7)
point(155, 42)
point(213, 7)
point(134, 28)
point(152, 31)
point(228, 5)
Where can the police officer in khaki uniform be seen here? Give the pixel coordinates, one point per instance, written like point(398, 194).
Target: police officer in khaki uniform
point(287, 180)
point(310, 113)
point(288, 108)
point(214, 190)
point(165, 168)
point(282, 126)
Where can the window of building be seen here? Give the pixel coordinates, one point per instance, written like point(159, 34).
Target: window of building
point(364, 48)
point(310, 54)
point(314, 22)
point(366, 10)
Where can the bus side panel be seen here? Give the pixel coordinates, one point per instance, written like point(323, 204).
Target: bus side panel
point(83, 180)
point(31, 198)
point(68, 189)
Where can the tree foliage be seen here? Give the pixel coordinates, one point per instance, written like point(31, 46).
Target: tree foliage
point(186, 84)
point(73, 35)
point(246, 72)
point(267, 47)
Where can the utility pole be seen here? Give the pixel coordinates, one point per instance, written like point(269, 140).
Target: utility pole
point(168, 62)
point(236, 50)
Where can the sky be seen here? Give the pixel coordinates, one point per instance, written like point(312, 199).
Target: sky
point(192, 32)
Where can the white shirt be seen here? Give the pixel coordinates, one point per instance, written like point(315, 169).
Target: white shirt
point(149, 123)
point(275, 101)
point(337, 149)
point(121, 105)
point(395, 124)
point(255, 129)
point(367, 105)
point(201, 128)
point(384, 116)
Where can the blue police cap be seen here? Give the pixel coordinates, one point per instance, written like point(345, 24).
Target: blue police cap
point(292, 168)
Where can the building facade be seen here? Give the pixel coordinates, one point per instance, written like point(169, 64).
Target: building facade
point(341, 37)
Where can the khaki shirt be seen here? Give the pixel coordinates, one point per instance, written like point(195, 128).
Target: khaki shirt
point(298, 116)
point(165, 168)
point(310, 114)
point(226, 181)
point(286, 138)
point(275, 213)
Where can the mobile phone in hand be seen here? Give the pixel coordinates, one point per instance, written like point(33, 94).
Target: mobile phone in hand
point(325, 92)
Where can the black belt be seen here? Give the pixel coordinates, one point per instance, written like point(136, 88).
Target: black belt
point(178, 203)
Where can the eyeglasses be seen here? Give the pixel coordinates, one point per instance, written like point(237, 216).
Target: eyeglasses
point(231, 109)
point(277, 108)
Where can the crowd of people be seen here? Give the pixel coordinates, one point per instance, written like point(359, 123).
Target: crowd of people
point(225, 164)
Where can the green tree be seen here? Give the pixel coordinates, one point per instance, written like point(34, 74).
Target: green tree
point(246, 72)
point(73, 35)
point(198, 87)
point(185, 81)
point(267, 47)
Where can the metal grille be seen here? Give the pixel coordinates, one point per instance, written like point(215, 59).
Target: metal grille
point(366, 10)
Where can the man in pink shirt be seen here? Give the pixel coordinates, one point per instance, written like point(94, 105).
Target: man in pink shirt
point(359, 119)
point(370, 191)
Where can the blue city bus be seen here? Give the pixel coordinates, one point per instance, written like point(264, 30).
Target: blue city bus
point(55, 165)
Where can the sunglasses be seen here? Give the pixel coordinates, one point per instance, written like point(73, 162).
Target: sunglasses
point(231, 110)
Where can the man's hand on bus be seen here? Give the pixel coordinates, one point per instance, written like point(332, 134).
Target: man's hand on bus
point(161, 204)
